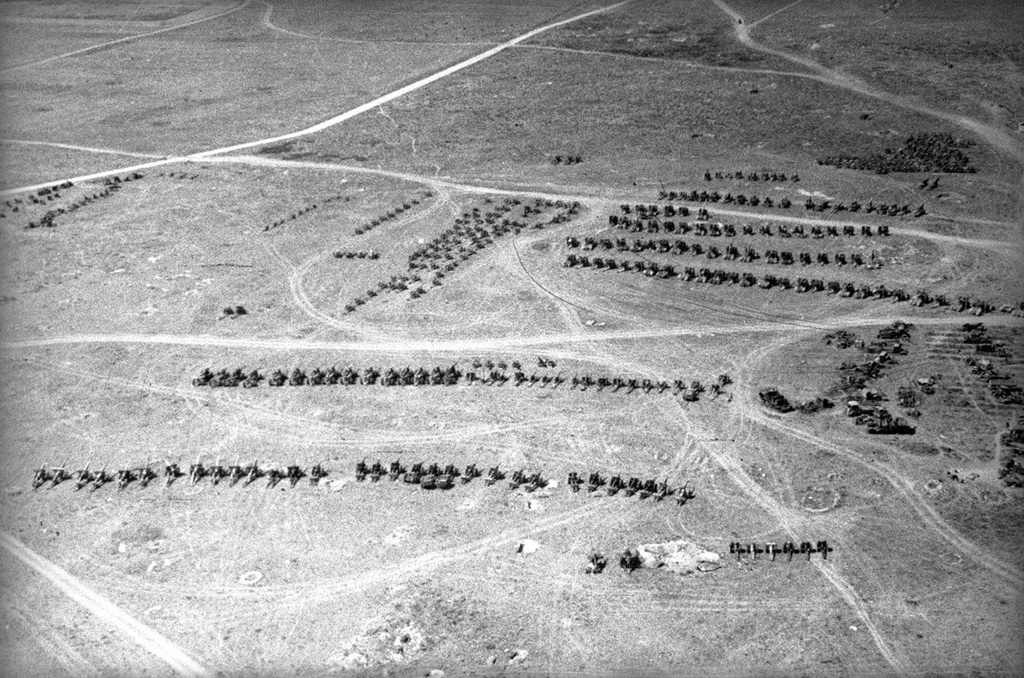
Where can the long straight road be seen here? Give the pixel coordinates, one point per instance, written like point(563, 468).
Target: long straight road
point(331, 122)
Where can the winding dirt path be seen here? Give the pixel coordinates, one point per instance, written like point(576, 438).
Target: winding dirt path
point(905, 488)
point(789, 520)
point(606, 200)
point(997, 138)
point(573, 193)
point(827, 570)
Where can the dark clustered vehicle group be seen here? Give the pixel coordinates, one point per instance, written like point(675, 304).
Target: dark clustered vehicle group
point(862, 403)
point(647, 221)
point(306, 210)
point(629, 560)
point(111, 185)
point(430, 263)
point(428, 476)
point(845, 289)
point(432, 476)
point(928, 152)
point(145, 474)
point(451, 376)
point(789, 548)
point(43, 196)
point(394, 213)
point(1000, 384)
point(632, 486)
point(764, 176)
point(729, 253)
point(810, 205)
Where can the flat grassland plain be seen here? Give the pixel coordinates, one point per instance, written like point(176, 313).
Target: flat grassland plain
point(212, 166)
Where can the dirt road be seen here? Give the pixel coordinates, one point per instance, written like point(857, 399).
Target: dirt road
point(406, 345)
point(605, 200)
point(86, 149)
point(326, 124)
point(107, 611)
point(111, 43)
point(997, 138)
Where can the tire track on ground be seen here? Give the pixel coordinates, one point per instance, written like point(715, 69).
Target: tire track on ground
point(784, 518)
point(85, 149)
point(307, 592)
point(51, 640)
point(606, 201)
point(158, 645)
point(94, 48)
point(404, 345)
point(331, 122)
point(905, 488)
point(897, 480)
point(305, 427)
point(790, 521)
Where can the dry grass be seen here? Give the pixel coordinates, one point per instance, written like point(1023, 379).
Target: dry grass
point(131, 288)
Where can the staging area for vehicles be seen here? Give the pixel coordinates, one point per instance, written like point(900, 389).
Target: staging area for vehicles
point(228, 293)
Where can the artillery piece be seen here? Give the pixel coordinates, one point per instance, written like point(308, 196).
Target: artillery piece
point(596, 564)
point(772, 398)
point(316, 474)
point(171, 473)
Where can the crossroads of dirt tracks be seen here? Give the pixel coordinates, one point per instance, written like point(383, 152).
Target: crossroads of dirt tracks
point(695, 442)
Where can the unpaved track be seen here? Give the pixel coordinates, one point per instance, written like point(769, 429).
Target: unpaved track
point(671, 61)
point(330, 588)
point(751, 410)
point(309, 430)
point(1010, 247)
point(778, 11)
point(327, 124)
point(407, 345)
point(828, 570)
point(788, 519)
point(111, 43)
point(997, 138)
point(905, 487)
point(608, 201)
point(301, 299)
point(110, 613)
point(86, 149)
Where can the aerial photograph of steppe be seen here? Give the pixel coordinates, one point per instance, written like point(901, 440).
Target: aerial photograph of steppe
point(440, 338)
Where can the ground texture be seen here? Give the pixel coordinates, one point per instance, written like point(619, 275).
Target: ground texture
point(410, 184)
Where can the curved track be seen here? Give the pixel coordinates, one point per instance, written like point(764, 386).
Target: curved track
point(997, 138)
point(600, 346)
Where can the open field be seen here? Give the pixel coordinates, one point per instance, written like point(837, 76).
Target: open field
point(506, 262)
point(930, 51)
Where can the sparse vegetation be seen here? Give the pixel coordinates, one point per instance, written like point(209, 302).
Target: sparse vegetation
point(331, 273)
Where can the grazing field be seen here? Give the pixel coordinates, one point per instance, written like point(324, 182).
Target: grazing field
point(628, 339)
point(931, 51)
